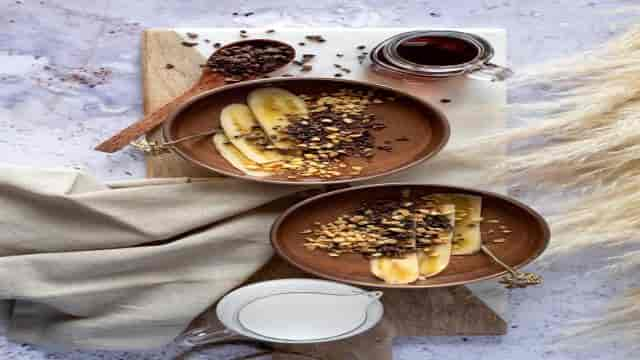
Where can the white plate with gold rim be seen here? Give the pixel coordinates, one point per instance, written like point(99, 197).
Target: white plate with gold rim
point(292, 311)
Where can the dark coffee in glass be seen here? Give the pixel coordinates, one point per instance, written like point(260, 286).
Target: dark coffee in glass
point(436, 54)
point(437, 50)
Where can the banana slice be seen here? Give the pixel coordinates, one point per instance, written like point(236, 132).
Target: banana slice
point(467, 229)
point(396, 271)
point(272, 106)
point(243, 131)
point(236, 158)
point(437, 258)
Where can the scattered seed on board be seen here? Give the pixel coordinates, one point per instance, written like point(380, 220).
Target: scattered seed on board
point(316, 38)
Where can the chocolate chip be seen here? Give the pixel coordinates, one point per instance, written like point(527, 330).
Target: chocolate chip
point(316, 38)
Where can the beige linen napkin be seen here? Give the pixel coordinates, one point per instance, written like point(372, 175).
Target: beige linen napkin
point(87, 265)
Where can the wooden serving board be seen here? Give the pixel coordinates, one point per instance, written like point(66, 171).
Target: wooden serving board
point(428, 312)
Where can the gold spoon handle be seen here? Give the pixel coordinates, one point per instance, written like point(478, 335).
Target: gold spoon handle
point(515, 278)
point(155, 148)
point(190, 137)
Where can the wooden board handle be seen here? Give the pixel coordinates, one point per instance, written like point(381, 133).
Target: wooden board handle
point(118, 141)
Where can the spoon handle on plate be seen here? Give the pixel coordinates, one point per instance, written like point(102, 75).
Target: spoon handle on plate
point(190, 137)
point(124, 137)
point(515, 278)
point(154, 147)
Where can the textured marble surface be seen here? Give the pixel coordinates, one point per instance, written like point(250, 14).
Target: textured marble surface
point(69, 76)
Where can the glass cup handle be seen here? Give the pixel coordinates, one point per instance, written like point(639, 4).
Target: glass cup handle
point(490, 71)
point(204, 335)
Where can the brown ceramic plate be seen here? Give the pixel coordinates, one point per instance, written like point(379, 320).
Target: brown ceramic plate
point(426, 128)
point(529, 237)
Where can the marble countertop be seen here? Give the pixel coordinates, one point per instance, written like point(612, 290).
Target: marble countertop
point(70, 76)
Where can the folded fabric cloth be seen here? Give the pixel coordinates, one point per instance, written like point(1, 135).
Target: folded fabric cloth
point(88, 265)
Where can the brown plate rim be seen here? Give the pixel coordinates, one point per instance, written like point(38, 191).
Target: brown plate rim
point(541, 222)
point(441, 118)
